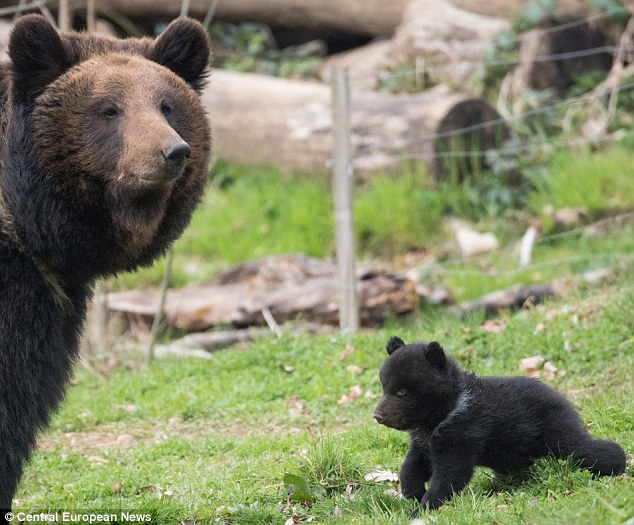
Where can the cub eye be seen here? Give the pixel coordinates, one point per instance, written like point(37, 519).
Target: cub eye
point(401, 392)
point(110, 112)
point(166, 108)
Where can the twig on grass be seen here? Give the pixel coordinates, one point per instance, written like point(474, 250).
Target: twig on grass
point(270, 321)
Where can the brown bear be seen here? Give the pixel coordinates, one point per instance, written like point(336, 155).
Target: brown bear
point(104, 148)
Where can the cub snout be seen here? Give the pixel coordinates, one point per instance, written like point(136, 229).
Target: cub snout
point(380, 418)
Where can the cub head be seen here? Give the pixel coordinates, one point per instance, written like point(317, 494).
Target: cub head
point(117, 126)
point(418, 383)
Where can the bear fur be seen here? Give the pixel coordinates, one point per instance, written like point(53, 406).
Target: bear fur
point(104, 152)
point(458, 420)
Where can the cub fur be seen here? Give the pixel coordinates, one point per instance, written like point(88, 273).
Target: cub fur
point(458, 420)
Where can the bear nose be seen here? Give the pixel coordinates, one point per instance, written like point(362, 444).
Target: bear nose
point(379, 417)
point(176, 154)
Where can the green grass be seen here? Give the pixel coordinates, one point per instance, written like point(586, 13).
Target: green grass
point(248, 213)
point(598, 182)
point(553, 258)
point(216, 439)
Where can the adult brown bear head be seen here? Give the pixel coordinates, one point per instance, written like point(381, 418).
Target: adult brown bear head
point(109, 140)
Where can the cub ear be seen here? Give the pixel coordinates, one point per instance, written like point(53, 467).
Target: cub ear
point(394, 344)
point(435, 354)
point(37, 54)
point(184, 49)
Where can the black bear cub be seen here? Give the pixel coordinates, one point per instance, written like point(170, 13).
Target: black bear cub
point(458, 420)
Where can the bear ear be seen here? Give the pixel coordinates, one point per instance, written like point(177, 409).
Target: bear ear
point(435, 354)
point(394, 344)
point(37, 54)
point(184, 49)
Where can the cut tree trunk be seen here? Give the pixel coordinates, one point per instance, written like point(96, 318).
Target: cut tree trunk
point(260, 120)
point(290, 287)
point(363, 17)
point(539, 68)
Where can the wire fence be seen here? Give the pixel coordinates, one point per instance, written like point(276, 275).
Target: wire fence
point(466, 66)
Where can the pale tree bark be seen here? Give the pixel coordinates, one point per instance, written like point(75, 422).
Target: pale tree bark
point(290, 287)
point(265, 121)
point(364, 17)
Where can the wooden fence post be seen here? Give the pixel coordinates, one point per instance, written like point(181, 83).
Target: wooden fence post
point(90, 16)
point(342, 185)
point(64, 16)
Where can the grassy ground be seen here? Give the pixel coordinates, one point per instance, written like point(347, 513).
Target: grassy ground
point(248, 213)
point(281, 429)
point(221, 440)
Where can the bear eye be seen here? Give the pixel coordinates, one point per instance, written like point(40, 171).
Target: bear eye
point(166, 108)
point(110, 112)
point(401, 392)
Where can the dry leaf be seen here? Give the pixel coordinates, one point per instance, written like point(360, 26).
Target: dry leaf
point(296, 406)
point(380, 476)
point(353, 394)
point(97, 459)
point(287, 368)
point(494, 326)
point(550, 370)
point(531, 365)
point(147, 488)
point(356, 370)
point(348, 350)
point(117, 487)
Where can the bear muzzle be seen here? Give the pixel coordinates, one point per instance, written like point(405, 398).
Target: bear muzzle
point(379, 417)
point(175, 155)
point(389, 415)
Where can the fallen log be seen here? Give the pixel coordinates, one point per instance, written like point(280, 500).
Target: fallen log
point(260, 120)
point(291, 287)
point(518, 296)
point(509, 298)
point(212, 341)
point(364, 17)
point(449, 42)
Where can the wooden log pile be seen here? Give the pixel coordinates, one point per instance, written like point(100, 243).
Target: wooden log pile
point(290, 287)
